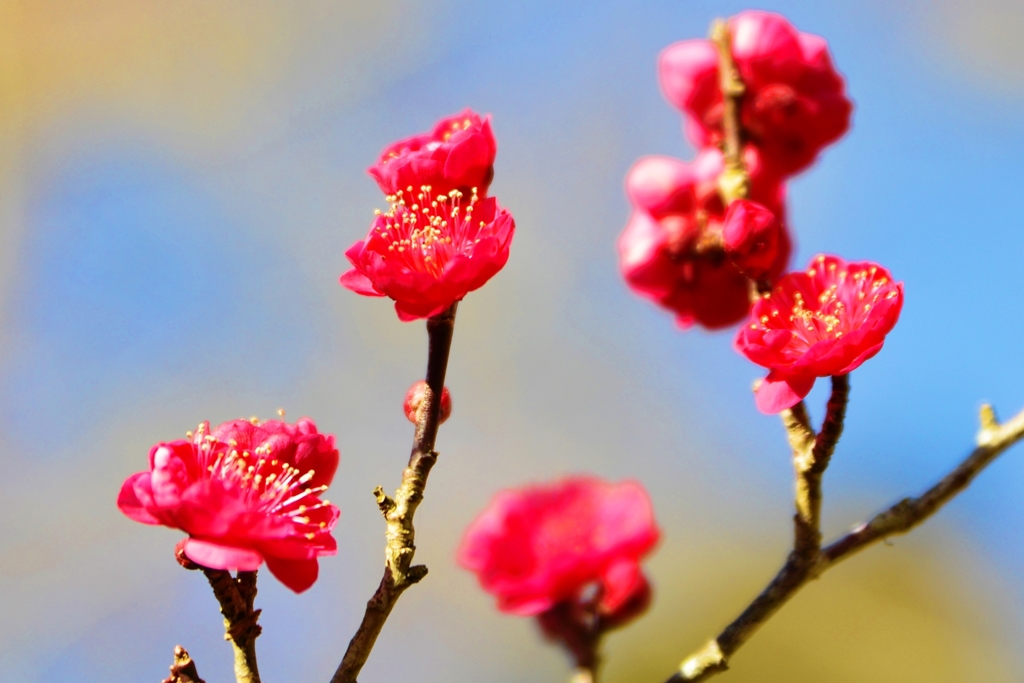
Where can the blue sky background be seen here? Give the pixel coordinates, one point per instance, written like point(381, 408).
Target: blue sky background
point(178, 185)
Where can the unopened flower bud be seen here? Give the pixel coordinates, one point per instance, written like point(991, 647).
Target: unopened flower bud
point(751, 234)
point(414, 402)
point(182, 558)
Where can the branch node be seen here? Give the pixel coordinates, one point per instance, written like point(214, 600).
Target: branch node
point(184, 669)
point(416, 574)
point(709, 660)
point(734, 182)
point(384, 501)
point(989, 425)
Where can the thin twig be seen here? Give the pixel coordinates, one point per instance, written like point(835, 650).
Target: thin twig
point(577, 627)
point(236, 596)
point(184, 669)
point(399, 572)
point(993, 440)
point(811, 455)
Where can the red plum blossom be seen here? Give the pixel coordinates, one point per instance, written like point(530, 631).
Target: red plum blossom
point(794, 103)
point(824, 321)
point(245, 492)
point(673, 250)
point(429, 250)
point(752, 236)
point(541, 546)
point(458, 154)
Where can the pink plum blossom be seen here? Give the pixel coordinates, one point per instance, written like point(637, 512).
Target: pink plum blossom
point(673, 250)
point(540, 546)
point(794, 104)
point(245, 492)
point(429, 250)
point(824, 321)
point(458, 154)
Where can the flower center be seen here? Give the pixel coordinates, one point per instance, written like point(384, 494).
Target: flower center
point(835, 302)
point(423, 232)
point(456, 127)
point(268, 484)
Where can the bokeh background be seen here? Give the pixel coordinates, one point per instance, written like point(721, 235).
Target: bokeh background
point(179, 181)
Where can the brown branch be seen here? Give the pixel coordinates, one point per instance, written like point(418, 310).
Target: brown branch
point(399, 573)
point(579, 628)
point(184, 669)
point(811, 455)
point(993, 440)
point(236, 596)
point(734, 183)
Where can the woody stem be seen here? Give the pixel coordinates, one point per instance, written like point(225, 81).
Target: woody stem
point(236, 596)
point(734, 182)
point(399, 572)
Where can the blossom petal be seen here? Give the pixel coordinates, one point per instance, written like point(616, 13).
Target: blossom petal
point(128, 500)
point(358, 283)
point(777, 392)
point(620, 581)
point(218, 556)
point(298, 575)
point(524, 606)
point(535, 547)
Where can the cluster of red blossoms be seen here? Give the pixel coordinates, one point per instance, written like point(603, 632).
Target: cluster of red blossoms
point(442, 236)
point(713, 262)
point(682, 248)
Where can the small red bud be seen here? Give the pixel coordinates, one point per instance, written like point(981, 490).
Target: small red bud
point(414, 401)
point(753, 238)
point(182, 558)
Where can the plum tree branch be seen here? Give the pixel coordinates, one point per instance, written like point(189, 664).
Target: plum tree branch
point(399, 572)
point(734, 183)
point(803, 565)
point(236, 596)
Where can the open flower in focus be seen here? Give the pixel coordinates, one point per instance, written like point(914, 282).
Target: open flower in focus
point(457, 155)
point(673, 250)
point(824, 321)
point(245, 492)
point(429, 250)
point(794, 104)
point(539, 547)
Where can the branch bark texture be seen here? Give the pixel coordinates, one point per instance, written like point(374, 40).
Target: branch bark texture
point(734, 183)
point(808, 560)
point(236, 596)
point(399, 572)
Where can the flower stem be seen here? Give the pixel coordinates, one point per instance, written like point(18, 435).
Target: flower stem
point(236, 596)
point(399, 572)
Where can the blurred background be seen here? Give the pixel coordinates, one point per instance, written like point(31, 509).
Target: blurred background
point(179, 181)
